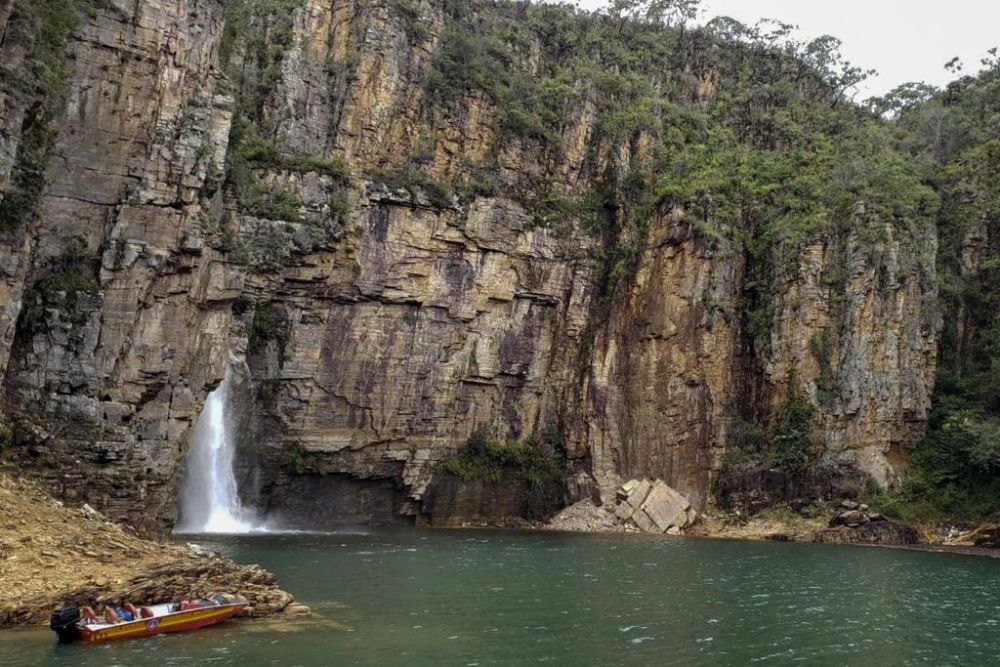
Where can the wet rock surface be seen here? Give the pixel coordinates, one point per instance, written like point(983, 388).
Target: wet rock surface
point(52, 554)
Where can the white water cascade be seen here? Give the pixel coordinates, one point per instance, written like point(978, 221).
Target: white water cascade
point(209, 498)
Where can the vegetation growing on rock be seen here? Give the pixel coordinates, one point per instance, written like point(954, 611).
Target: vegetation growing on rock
point(44, 27)
point(570, 160)
point(955, 135)
point(534, 459)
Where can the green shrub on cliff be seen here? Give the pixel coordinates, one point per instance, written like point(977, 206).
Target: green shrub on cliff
point(535, 459)
point(7, 439)
point(67, 287)
point(262, 153)
point(42, 28)
point(955, 471)
point(787, 443)
point(269, 325)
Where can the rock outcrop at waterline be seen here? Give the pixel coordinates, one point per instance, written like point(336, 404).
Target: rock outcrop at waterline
point(853, 523)
point(377, 256)
point(53, 554)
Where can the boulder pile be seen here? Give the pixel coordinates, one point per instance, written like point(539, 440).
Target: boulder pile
point(854, 523)
point(654, 507)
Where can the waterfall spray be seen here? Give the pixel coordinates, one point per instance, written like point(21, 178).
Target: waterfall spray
point(209, 499)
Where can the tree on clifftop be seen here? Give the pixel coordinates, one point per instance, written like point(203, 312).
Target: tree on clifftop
point(673, 13)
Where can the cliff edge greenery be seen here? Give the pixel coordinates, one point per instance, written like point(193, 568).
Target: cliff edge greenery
point(954, 134)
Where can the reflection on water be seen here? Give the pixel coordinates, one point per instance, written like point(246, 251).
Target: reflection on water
point(412, 597)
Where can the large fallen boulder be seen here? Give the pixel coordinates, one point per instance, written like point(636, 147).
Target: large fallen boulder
point(654, 507)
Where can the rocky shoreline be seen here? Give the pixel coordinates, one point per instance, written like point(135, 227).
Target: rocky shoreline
point(639, 510)
point(52, 554)
point(780, 525)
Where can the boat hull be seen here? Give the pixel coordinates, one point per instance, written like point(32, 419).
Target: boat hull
point(180, 621)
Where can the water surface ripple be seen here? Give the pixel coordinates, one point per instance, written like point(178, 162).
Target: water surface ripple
point(414, 597)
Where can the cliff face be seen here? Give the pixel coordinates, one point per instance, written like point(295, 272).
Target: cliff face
point(122, 311)
point(196, 211)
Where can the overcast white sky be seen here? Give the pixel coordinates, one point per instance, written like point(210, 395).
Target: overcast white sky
point(905, 40)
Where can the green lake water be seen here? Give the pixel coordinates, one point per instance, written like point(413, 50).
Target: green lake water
point(418, 597)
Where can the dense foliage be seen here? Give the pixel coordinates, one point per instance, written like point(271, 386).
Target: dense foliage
point(535, 459)
point(955, 135)
point(788, 443)
point(742, 131)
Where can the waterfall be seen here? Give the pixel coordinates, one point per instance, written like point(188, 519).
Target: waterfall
point(209, 498)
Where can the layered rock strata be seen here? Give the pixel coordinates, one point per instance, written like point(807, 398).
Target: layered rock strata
point(380, 324)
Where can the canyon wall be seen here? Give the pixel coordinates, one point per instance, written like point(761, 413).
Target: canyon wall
point(211, 203)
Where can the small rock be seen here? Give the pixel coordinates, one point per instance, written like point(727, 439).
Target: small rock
point(987, 536)
point(627, 488)
point(849, 504)
point(199, 550)
point(49, 553)
point(624, 511)
point(799, 505)
point(863, 507)
point(851, 518)
point(296, 609)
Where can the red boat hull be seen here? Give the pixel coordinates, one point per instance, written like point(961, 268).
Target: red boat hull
point(180, 621)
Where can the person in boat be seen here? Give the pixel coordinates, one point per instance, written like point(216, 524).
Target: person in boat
point(110, 615)
point(88, 615)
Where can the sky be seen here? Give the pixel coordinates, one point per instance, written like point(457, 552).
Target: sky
point(905, 40)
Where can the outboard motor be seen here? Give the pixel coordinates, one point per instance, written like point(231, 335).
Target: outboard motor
point(64, 623)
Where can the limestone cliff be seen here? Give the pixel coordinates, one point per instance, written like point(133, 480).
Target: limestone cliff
point(276, 184)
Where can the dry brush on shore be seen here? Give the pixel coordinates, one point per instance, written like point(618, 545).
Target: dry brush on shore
point(52, 554)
